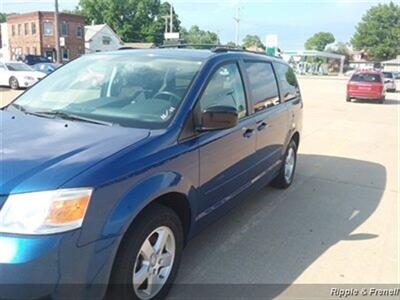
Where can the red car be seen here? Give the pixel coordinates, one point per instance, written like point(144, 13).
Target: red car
point(368, 85)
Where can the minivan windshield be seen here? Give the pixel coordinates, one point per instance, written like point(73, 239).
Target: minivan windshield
point(129, 90)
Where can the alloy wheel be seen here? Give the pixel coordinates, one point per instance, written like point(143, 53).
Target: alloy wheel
point(154, 262)
point(289, 164)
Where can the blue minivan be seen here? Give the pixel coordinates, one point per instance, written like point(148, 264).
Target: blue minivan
point(109, 165)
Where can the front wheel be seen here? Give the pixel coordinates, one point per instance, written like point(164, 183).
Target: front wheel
point(286, 173)
point(148, 259)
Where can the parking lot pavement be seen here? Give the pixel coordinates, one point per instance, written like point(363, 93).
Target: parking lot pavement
point(7, 95)
point(339, 221)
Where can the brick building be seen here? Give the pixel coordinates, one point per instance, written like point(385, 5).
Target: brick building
point(34, 33)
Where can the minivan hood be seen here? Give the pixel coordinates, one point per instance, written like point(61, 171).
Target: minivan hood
point(40, 154)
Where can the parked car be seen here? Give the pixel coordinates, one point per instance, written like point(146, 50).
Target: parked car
point(45, 67)
point(31, 59)
point(390, 83)
point(366, 85)
point(18, 75)
point(114, 161)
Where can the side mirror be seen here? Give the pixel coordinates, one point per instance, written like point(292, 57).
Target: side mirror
point(217, 117)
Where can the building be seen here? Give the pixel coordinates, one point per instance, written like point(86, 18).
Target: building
point(99, 38)
point(34, 33)
point(359, 60)
point(4, 45)
point(392, 65)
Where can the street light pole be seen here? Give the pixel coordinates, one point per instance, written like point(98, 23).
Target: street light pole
point(57, 33)
point(237, 20)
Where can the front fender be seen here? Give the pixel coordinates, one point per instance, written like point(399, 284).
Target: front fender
point(141, 195)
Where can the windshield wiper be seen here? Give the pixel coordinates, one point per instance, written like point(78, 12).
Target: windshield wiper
point(19, 107)
point(71, 117)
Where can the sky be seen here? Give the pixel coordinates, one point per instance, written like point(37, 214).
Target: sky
point(293, 21)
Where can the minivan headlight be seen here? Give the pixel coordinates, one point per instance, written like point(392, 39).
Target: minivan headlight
point(44, 212)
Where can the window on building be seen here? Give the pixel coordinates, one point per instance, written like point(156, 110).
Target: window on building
point(26, 29)
point(64, 28)
point(19, 29)
point(263, 86)
point(225, 88)
point(106, 40)
point(13, 30)
point(33, 28)
point(64, 53)
point(48, 28)
point(79, 31)
point(27, 50)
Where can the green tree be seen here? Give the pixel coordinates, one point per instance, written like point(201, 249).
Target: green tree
point(319, 41)
point(132, 20)
point(252, 40)
point(197, 36)
point(379, 32)
point(3, 17)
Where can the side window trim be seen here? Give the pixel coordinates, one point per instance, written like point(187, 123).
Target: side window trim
point(210, 76)
point(251, 109)
point(295, 98)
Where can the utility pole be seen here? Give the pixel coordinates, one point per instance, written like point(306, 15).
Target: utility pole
point(57, 33)
point(170, 18)
point(166, 23)
point(237, 20)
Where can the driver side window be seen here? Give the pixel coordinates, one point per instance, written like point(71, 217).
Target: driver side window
point(225, 88)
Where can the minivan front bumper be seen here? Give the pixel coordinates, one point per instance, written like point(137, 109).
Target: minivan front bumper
point(52, 266)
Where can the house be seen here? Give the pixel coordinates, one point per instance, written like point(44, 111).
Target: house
point(100, 38)
point(392, 65)
point(34, 33)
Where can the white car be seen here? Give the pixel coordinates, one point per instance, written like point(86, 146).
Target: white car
point(18, 75)
point(390, 83)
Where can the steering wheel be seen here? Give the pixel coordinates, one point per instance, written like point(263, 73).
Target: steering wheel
point(170, 94)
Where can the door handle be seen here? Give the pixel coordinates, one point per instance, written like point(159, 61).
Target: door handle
point(262, 126)
point(248, 132)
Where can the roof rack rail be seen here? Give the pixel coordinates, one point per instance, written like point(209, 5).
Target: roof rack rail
point(196, 46)
point(216, 48)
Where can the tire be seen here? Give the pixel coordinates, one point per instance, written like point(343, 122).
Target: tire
point(381, 100)
point(130, 257)
point(14, 84)
point(348, 99)
point(281, 181)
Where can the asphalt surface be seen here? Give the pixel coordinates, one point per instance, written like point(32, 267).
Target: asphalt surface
point(339, 221)
point(337, 224)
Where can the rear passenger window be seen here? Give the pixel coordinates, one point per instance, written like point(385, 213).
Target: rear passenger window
point(225, 88)
point(263, 87)
point(288, 81)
